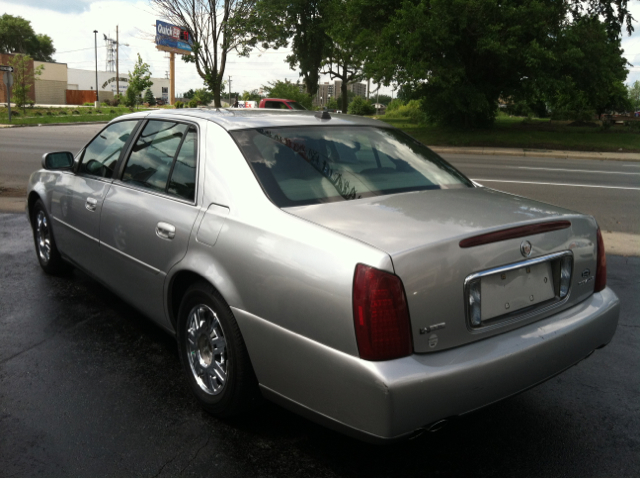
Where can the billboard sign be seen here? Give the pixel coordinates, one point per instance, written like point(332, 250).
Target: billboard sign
point(172, 38)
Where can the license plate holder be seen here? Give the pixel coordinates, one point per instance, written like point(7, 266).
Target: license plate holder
point(513, 290)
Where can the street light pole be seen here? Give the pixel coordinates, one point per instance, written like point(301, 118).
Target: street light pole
point(95, 35)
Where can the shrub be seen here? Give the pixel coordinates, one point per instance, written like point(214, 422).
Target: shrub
point(88, 112)
point(15, 113)
point(38, 113)
point(112, 111)
point(75, 112)
point(49, 113)
point(394, 105)
point(98, 111)
point(632, 125)
point(62, 112)
point(178, 104)
point(87, 103)
point(106, 103)
point(193, 103)
point(412, 110)
point(360, 106)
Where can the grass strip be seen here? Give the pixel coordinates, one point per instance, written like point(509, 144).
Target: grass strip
point(535, 135)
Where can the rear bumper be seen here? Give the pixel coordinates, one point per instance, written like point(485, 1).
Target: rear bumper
point(381, 401)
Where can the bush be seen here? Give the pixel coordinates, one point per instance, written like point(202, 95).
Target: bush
point(15, 113)
point(87, 103)
point(88, 112)
point(193, 103)
point(49, 113)
point(99, 111)
point(112, 111)
point(38, 113)
point(62, 112)
point(75, 112)
point(632, 125)
point(178, 104)
point(360, 106)
point(106, 103)
point(394, 105)
point(412, 110)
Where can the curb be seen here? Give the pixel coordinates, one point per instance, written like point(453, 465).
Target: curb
point(58, 124)
point(560, 154)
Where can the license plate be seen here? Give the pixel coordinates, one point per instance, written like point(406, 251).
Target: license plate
point(506, 292)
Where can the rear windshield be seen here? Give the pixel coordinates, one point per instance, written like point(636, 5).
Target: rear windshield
point(310, 165)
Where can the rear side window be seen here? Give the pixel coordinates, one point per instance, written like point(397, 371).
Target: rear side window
point(276, 104)
point(163, 159)
point(316, 164)
point(101, 155)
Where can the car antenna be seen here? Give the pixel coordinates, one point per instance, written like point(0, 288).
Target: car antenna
point(323, 115)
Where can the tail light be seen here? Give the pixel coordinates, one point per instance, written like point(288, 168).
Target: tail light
point(601, 267)
point(380, 314)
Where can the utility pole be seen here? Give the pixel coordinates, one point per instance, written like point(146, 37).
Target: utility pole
point(95, 36)
point(172, 81)
point(117, 66)
point(229, 91)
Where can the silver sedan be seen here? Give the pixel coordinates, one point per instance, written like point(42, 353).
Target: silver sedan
point(327, 262)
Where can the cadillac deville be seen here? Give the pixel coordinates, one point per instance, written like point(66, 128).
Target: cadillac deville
point(329, 263)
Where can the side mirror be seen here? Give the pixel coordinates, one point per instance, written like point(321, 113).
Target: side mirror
point(57, 160)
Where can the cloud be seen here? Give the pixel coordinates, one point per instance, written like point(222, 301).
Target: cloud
point(64, 6)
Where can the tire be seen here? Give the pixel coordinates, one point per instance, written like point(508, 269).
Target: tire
point(46, 249)
point(213, 353)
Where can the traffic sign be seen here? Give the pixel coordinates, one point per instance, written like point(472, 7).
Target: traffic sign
point(7, 77)
point(5, 68)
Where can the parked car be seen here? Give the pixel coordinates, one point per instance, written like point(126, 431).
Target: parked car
point(333, 265)
point(280, 104)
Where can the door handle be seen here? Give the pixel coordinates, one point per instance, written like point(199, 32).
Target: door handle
point(165, 231)
point(91, 204)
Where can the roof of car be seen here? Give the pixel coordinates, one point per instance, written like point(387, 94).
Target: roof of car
point(261, 117)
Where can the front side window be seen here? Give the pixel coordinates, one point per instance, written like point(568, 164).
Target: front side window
point(101, 155)
point(163, 159)
point(310, 165)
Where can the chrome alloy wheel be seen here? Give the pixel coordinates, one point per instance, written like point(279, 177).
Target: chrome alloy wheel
point(43, 237)
point(207, 349)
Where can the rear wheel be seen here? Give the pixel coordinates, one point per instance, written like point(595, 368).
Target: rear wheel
point(46, 250)
point(213, 353)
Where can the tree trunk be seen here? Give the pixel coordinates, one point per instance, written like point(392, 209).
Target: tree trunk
point(216, 94)
point(343, 90)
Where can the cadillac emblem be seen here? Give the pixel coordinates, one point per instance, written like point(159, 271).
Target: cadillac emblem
point(525, 248)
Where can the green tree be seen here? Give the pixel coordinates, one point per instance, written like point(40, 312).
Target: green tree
point(24, 77)
point(203, 96)
point(216, 28)
point(139, 81)
point(252, 95)
point(17, 36)
point(361, 106)
point(461, 56)
point(633, 93)
point(149, 98)
point(189, 94)
point(288, 91)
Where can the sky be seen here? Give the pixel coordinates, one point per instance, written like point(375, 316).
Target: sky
point(70, 23)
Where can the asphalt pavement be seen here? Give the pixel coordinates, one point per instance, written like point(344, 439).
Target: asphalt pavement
point(90, 387)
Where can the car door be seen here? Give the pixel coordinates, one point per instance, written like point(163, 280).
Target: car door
point(149, 211)
point(77, 198)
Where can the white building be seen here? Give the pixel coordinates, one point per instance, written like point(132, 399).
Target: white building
point(86, 80)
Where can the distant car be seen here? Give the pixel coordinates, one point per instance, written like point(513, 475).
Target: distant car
point(335, 265)
point(280, 104)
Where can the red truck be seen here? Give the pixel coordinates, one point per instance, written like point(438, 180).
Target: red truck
point(280, 104)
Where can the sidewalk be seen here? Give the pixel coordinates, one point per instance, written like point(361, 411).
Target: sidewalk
point(561, 154)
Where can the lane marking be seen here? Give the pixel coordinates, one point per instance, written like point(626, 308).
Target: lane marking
point(558, 184)
point(567, 169)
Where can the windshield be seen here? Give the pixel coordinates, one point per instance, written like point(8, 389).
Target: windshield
point(295, 105)
point(310, 165)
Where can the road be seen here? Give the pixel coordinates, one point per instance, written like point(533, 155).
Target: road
point(89, 387)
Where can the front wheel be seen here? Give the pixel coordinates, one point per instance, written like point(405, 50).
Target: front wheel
point(213, 353)
point(48, 254)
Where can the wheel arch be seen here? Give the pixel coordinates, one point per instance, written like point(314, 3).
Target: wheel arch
point(31, 201)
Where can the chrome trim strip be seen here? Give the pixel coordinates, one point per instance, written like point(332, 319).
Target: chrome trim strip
point(75, 229)
point(135, 260)
point(543, 307)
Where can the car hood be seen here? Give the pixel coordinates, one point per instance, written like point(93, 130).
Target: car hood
point(402, 222)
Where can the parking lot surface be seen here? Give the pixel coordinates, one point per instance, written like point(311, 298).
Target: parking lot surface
point(90, 387)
